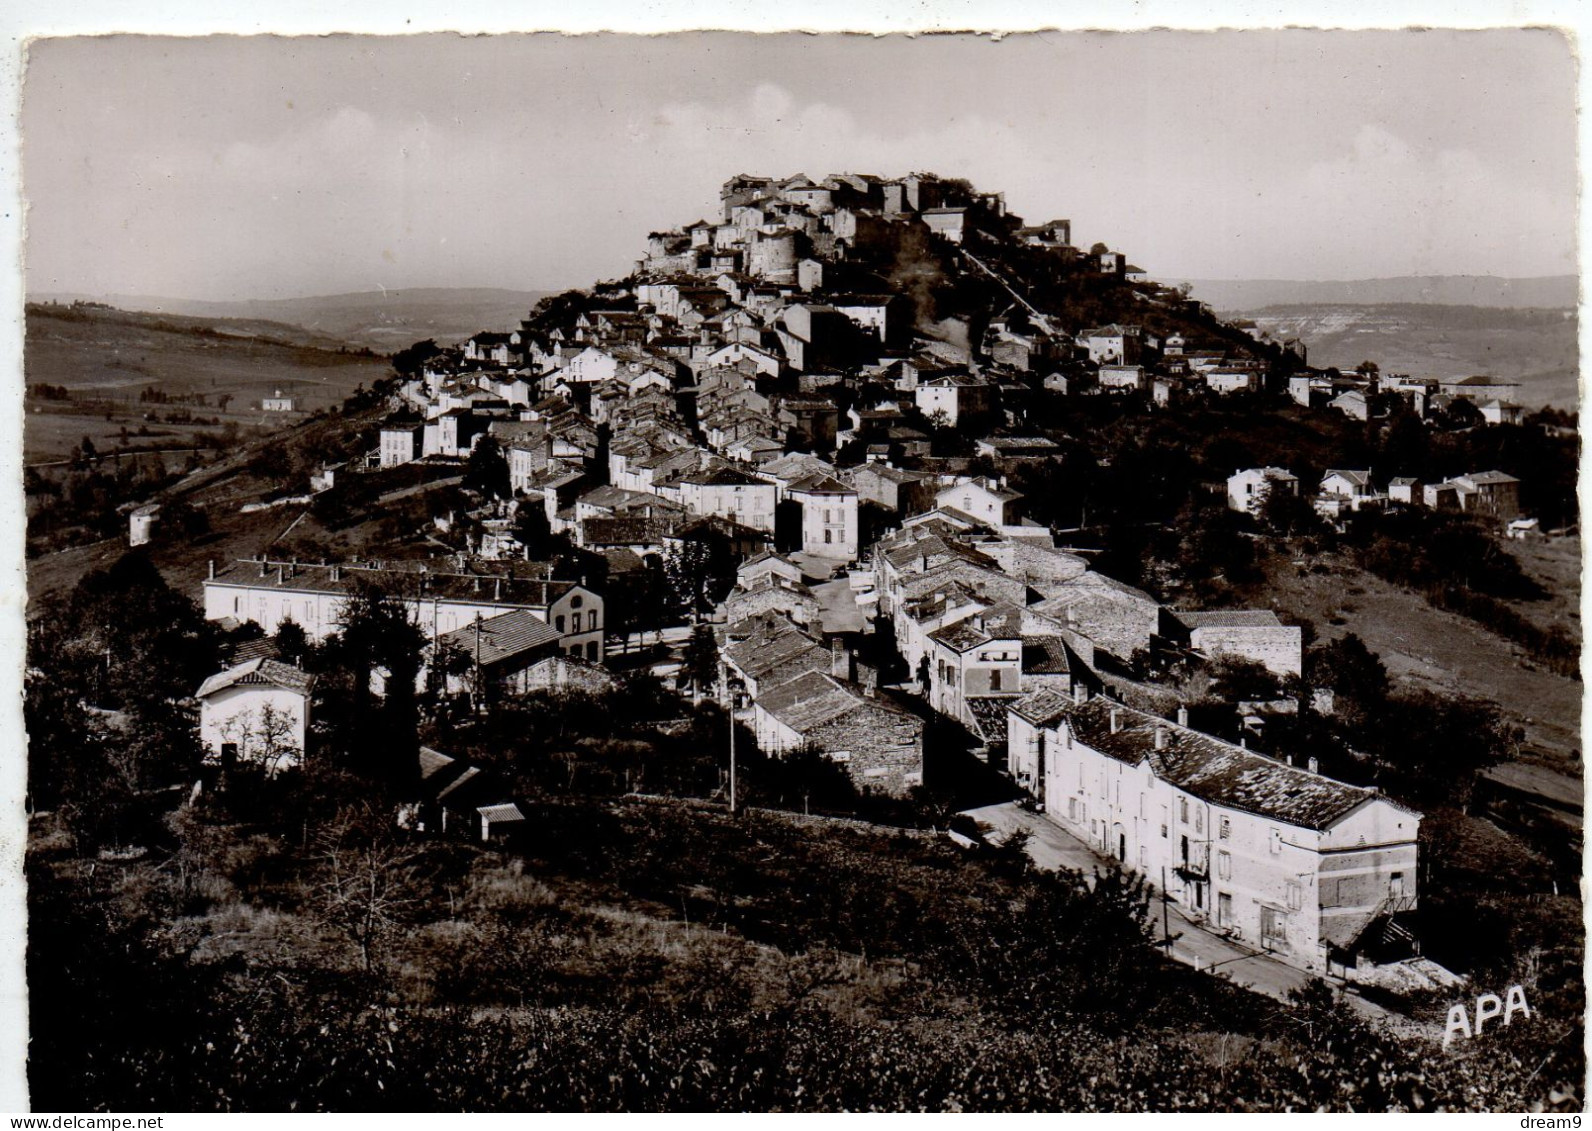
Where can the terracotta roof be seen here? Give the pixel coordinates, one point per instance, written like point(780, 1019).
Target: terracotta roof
point(1042, 707)
point(263, 672)
point(816, 698)
point(496, 639)
point(1045, 655)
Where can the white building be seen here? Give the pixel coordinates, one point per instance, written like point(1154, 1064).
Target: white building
point(439, 600)
point(1306, 868)
point(732, 494)
point(141, 524)
point(1247, 490)
point(983, 499)
point(256, 713)
point(829, 516)
point(400, 443)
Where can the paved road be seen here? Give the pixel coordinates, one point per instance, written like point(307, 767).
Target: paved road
point(1052, 847)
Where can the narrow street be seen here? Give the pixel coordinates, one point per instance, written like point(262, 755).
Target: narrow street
point(1052, 847)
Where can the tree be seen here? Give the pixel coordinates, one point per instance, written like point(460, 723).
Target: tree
point(700, 663)
point(292, 645)
point(1286, 514)
point(699, 572)
point(1353, 673)
point(378, 635)
point(1238, 680)
point(488, 469)
point(410, 361)
point(369, 884)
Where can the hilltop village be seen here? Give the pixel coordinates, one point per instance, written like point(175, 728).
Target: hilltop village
point(783, 412)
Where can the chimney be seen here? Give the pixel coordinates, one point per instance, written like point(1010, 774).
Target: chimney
point(1160, 738)
point(337, 573)
point(1288, 758)
point(1314, 765)
point(1182, 716)
point(1243, 742)
point(497, 589)
point(1115, 722)
point(262, 565)
point(212, 568)
point(280, 572)
point(1080, 693)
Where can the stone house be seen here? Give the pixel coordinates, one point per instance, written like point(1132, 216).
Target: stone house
point(1243, 634)
point(978, 657)
point(879, 744)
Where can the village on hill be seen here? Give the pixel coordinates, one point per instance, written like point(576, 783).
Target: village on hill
point(801, 470)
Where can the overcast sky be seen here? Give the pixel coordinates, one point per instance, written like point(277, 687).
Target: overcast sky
point(264, 167)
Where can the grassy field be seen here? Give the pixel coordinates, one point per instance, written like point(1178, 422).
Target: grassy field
point(1441, 651)
point(107, 358)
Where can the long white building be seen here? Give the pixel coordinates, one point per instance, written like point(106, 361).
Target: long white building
point(441, 597)
point(1279, 857)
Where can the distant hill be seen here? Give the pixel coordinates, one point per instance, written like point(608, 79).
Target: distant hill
point(1538, 347)
point(1233, 296)
point(380, 320)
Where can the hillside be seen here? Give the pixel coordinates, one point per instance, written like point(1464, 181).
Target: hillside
point(384, 321)
point(663, 956)
point(1234, 295)
point(114, 371)
point(1537, 346)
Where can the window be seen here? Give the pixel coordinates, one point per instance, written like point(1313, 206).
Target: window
point(1182, 811)
point(574, 602)
point(1276, 841)
point(1224, 865)
point(591, 650)
point(1296, 895)
point(1227, 829)
point(1224, 910)
point(829, 536)
point(1183, 848)
point(1199, 819)
point(1395, 884)
point(995, 679)
point(558, 622)
point(1072, 808)
point(1273, 927)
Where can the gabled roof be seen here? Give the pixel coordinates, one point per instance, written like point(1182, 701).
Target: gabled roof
point(505, 637)
point(1358, 478)
point(262, 672)
point(817, 698)
point(1042, 707)
point(1486, 477)
point(724, 477)
point(819, 484)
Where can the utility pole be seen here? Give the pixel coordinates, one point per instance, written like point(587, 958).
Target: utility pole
point(729, 696)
